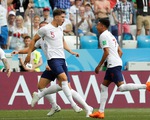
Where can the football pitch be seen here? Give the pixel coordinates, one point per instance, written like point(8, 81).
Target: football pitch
point(69, 114)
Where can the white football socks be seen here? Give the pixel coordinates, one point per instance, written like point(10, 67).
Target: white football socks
point(50, 99)
point(131, 86)
point(50, 90)
point(103, 99)
point(78, 98)
point(67, 92)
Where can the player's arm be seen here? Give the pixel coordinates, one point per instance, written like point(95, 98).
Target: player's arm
point(22, 51)
point(31, 48)
point(105, 54)
point(7, 66)
point(120, 51)
point(66, 47)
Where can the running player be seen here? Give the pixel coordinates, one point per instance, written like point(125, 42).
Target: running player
point(112, 53)
point(54, 46)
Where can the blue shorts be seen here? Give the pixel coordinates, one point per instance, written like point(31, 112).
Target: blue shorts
point(3, 35)
point(48, 74)
point(58, 66)
point(114, 74)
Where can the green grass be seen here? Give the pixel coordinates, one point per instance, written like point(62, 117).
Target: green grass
point(110, 114)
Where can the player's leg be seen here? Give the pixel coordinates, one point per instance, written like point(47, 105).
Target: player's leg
point(104, 95)
point(59, 67)
point(118, 79)
point(80, 100)
point(45, 79)
point(42, 87)
point(103, 99)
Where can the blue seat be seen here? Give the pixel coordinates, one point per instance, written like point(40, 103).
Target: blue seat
point(87, 37)
point(94, 30)
point(88, 42)
point(143, 41)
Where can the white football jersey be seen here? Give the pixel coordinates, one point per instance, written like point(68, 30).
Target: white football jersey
point(41, 43)
point(108, 40)
point(53, 41)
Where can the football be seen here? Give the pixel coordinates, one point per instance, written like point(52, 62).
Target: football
point(29, 66)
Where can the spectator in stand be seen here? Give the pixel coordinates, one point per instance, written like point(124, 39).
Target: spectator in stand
point(28, 16)
point(46, 15)
point(74, 9)
point(21, 57)
point(17, 33)
point(124, 19)
point(37, 61)
point(3, 24)
point(134, 11)
point(102, 9)
point(36, 22)
point(84, 23)
point(10, 6)
point(143, 16)
point(89, 11)
point(20, 6)
point(11, 19)
point(67, 27)
point(72, 2)
point(92, 4)
point(63, 4)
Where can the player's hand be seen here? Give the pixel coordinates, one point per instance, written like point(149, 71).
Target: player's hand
point(76, 54)
point(27, 60)
point(48, 68)
point(97, 69)
point(14, 53)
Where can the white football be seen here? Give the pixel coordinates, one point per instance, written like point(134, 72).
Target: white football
point(29, 66)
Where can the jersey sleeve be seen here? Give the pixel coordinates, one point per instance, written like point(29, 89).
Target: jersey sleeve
point(104, 41)
point(41, 32)
point(37, 44)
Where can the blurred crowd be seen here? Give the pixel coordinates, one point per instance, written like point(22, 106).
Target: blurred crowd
point(21, 18)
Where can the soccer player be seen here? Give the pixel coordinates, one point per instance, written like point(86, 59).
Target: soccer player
point(112, 53)
point(48, 76)
point(54, 46)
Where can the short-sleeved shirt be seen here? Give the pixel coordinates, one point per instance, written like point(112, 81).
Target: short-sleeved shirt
point(62, 4)
point(125, 9)
point(53, 41)
point(107, 40)
point(15, 42)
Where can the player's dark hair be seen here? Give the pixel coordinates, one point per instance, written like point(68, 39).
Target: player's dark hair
point(105, 21)
point(43, 22)
point(58, 12)
point(26, 37)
